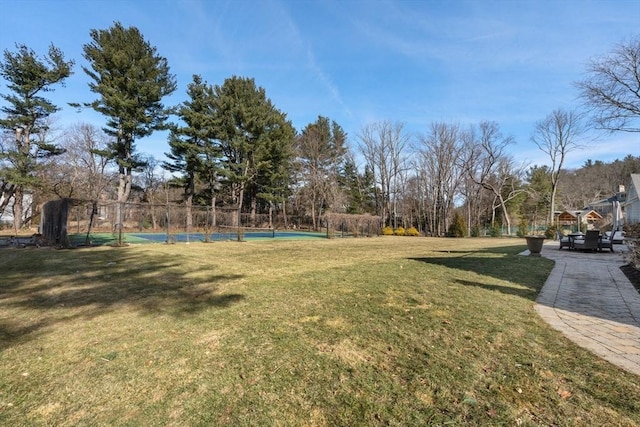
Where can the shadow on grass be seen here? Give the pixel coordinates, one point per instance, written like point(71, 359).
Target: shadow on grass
point(43, 287)
point(528, 293)
point(502, 263)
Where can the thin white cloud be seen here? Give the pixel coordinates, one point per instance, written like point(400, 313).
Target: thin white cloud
point(325, 80)
point(299, 43)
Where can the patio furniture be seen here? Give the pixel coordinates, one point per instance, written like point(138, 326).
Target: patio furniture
point(589, 243)
point(573, 237)
point(605, 243)
point(616, 237)
point(565, 242)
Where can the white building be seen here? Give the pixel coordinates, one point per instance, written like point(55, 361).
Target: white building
point(6, 216)
point(632, 204)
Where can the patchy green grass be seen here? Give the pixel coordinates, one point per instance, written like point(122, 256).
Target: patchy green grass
point(382, 331)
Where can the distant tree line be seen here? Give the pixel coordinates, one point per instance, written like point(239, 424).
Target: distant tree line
point(231, 148)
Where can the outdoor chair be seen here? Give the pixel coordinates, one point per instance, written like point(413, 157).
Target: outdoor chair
point(605, 243)
point(616, 237)
point(565, 242)
point(590, 241)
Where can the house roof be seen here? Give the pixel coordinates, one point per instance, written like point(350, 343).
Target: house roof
point(567, 216)
point(592, 215)
point(600, 203)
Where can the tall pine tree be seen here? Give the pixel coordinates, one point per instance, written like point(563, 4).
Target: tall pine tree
point(194, 154)
point(131, 79)
point(253, 136)
point(26, 119)
point(321, 150)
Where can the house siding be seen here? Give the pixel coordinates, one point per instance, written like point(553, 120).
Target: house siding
point(632, 204)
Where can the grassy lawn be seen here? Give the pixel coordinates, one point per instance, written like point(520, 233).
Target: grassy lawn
point(346, 332)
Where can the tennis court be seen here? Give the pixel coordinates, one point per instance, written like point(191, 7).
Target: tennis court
point(142, 237)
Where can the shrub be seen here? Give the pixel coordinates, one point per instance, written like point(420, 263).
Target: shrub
point(146, 224)
point(523, 228)
point(475, 231)
point(412, 232)
point(632, 230)
point(399, 231)
point(387, 231)
point(458, 227)
point(550, 232)
point(494, 231)
point(634, 255)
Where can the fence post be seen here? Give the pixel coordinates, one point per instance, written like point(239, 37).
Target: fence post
point(166, 213)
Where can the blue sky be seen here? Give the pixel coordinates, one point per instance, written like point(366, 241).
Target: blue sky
point(358, 62)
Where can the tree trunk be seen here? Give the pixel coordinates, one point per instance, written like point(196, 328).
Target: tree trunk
point(124, 189)
point(284, 214)
point(554, 186)
point(468, 217)
point(239, 217)
point(213, 212)
point(154, 217)
point(18, 200)
point(189, 202)
point(254, 204)
point(189, 211)
point(6, 193)
point(493, 213)
point(313, 216)
point(53, 222)
point(506, 215)
point(94, 211)
point(434, 215)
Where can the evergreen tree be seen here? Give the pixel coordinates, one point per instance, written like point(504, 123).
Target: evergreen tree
point(358, 189)
point(27, 113)
point(273, 183)
point(458, 226)
point(254, 138)
point(131, 79)
point(321, 150)
point(193, 153)
point(539, 192)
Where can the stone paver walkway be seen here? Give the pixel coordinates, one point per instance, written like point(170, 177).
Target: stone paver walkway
point(590, 300)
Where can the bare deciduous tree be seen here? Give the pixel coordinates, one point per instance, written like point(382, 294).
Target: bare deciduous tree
point(151, 184)
point(557, 135)
point(86, 162)
point(85, 171)
point(439, 151)
point(612, 88)
point(491, 167)
point(383, 145)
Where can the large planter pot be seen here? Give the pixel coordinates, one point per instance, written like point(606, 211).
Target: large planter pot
point(534, 244)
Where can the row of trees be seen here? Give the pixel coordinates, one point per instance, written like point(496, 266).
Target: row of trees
point(230, 146)
point(505, 196)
